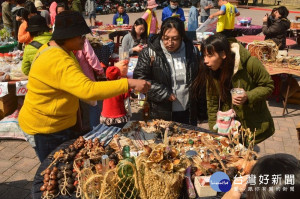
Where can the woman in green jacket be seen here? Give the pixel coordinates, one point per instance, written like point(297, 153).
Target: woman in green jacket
point(38, 29)
point(226, 65)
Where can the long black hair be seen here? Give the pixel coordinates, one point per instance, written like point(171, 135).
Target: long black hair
point(284, 165)
point(283, 11)
point(219, 44)
point(173, 22)
point(140, 21)
point(31, 7)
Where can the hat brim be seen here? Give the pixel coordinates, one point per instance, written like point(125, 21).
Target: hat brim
point(37, 28)
point(71, 32)
point(152, 6)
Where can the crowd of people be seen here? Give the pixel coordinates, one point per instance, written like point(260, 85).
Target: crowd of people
point(182, 84)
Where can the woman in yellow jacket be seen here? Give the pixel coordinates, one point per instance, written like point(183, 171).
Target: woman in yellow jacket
point(56, 82)
point(151, 18)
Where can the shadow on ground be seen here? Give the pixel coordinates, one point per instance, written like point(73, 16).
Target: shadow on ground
point(16, 190)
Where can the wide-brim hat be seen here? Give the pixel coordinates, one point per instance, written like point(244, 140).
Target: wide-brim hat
point(69, 24)
point(37, 23)
point(151, 4)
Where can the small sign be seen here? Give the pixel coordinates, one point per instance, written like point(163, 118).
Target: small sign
point(21, 88)
point(3, 88)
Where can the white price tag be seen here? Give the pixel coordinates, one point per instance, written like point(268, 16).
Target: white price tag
point(3, 88)
point(21, 88)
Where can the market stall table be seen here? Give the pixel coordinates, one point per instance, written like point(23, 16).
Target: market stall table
point(275, 69)
point(38, 179)
point(250, 38)
point(248, 30)
point(107, 29)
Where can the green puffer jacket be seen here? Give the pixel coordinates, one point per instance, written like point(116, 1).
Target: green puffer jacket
point(76, 6)
point(30, 51)
point(256, 81)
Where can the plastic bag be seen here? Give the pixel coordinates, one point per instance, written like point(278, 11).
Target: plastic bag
point(9, 127)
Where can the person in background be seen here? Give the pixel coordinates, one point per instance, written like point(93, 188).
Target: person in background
point(172, 10)
point(193, 23)
point(206, 5)
point(52, 11)
point(135, 40)
point(16, 24)
point(276, 29)
point(284, 166)
point(43, 12)
point(90, 10)
point(114, 111)
point(151, 18)
point(271, 17)
point(60, 8)
point(7, 15)
point(56, 83)
point(91, 67)
point(76, 6)
point(226, 16)
point(170, 63)
point(226, 65)
point(31, 8)
point(39, 31)
point(120, 17)
point(23, 34)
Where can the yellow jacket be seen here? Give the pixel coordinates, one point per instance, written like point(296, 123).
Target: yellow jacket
point(56, 82)
point(226, 21)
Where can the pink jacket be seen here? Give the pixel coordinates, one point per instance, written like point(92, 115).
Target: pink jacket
point(52, 11)
point(89, 61)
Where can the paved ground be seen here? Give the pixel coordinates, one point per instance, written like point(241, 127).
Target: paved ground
point(18, 162)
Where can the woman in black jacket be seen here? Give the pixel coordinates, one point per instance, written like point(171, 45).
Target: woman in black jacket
point(170, 63)
point(276, 26)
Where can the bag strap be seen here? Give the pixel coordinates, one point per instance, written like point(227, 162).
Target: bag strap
point(42, 51)
point(36, 44)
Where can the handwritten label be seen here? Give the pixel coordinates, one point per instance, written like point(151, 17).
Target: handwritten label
point(21, 88)
point(3, 88)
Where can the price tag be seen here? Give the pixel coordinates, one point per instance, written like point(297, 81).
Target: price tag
point(3, 88)
point(21, 88)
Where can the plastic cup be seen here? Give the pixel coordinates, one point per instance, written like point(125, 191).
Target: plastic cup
point(236, 92)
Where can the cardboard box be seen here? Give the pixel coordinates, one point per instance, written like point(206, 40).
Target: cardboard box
point(202, 186)
point(8, 103)
point(295, 25)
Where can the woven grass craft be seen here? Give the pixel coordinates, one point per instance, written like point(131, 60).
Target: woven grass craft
point(159, 178)
point(118, 183)
point(264, 50)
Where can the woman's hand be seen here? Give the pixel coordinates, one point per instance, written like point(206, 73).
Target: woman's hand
point(139, 85)
point(137, 49)
point(172, 97)
point(122, 63)
point(237, 188)
point(239, 99)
